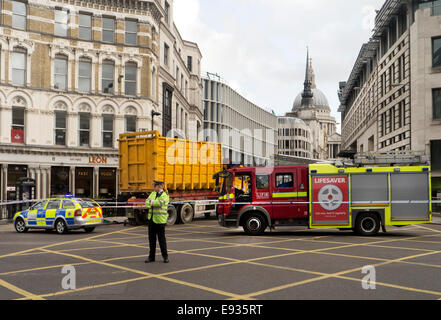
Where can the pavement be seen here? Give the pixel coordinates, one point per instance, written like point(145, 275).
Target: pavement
point(212, 263)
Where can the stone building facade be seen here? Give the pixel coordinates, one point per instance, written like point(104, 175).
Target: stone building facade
point(73, 76)
point(392, 99)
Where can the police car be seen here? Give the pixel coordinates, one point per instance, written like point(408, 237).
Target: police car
point(60, 214)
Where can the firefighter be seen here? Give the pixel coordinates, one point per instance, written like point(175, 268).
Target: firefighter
point(157, 203)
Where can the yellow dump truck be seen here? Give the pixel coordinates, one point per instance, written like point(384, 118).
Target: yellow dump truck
point(187, 167)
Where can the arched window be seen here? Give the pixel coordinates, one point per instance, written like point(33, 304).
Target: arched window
point(131, 120)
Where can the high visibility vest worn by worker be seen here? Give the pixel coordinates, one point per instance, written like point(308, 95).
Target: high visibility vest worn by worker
point(157, 203)
point(158, 206)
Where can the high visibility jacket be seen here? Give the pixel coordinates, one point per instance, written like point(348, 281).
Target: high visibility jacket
point(159, 207)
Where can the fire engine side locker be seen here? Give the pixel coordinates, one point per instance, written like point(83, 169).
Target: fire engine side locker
point(374, 189)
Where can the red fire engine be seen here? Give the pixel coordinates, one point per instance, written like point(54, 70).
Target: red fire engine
point(324, 196)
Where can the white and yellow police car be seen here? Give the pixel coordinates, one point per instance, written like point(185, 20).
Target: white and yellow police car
point(60, 214)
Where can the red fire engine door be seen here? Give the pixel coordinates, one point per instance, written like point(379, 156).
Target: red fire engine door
point(285, 194)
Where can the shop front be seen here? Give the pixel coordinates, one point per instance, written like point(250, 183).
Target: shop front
point(14, 173)
point(58, 172)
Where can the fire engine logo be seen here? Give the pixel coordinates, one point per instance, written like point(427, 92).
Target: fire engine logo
point(330, 197)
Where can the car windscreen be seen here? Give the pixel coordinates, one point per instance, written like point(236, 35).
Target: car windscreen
point(87, 204)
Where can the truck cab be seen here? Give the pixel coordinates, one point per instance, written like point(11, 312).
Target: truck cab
point(257, 198)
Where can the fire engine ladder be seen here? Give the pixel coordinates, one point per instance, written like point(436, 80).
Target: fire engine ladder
point(408, 158)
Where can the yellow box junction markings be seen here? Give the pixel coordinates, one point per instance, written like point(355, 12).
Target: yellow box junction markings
point(229, 244)
point(249, 296)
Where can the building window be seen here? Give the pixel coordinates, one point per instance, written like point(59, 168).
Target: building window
point(60, 73)
point(107, 77)
point(108, 131)
point(154, 84)
point(85, 75)
point(435, 152)
point(130, 79)
point(60, 128)
point(131, 32)
point(190, 63)
point(18, 125)
point(18, 67)
point(167, 12)
point(436, 52)
point(108, 30)
point(130, 124)
point(85, 27)
point(19, 15)
point(84, 182)
point(59, 181)
point(436, 93)
point(166, 49)
point(107, 183)
point(84, 129)
point(61, 20)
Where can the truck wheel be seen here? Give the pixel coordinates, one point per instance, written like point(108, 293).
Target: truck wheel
point(254, 224)
point(207, 215)
point(172, 215)
point(367, 224)
point(186, 214)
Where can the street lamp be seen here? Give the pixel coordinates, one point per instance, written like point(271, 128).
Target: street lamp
point(154, 114)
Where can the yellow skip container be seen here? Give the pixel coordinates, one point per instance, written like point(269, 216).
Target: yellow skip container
point(184, 165)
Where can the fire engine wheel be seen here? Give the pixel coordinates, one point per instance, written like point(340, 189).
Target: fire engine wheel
point(367, 224)
point(254, 224)
point(172, 215)
point(186, 214)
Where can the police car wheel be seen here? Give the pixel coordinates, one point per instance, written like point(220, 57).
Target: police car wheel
point(60, 227)
point(89, 230)
point(20, 226)
point(255, 224)
point(367, 224)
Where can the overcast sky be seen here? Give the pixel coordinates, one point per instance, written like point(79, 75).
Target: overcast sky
point(259, 46)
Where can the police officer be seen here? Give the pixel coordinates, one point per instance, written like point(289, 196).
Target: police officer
point(157, 203)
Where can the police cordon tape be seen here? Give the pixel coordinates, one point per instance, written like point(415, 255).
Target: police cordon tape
point(132, 205)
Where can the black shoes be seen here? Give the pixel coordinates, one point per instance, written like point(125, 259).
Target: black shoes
point(166, 260)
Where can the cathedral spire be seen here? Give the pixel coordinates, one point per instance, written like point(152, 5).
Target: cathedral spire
point(307, 95)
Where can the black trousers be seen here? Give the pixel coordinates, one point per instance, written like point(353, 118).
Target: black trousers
point(157, 231)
